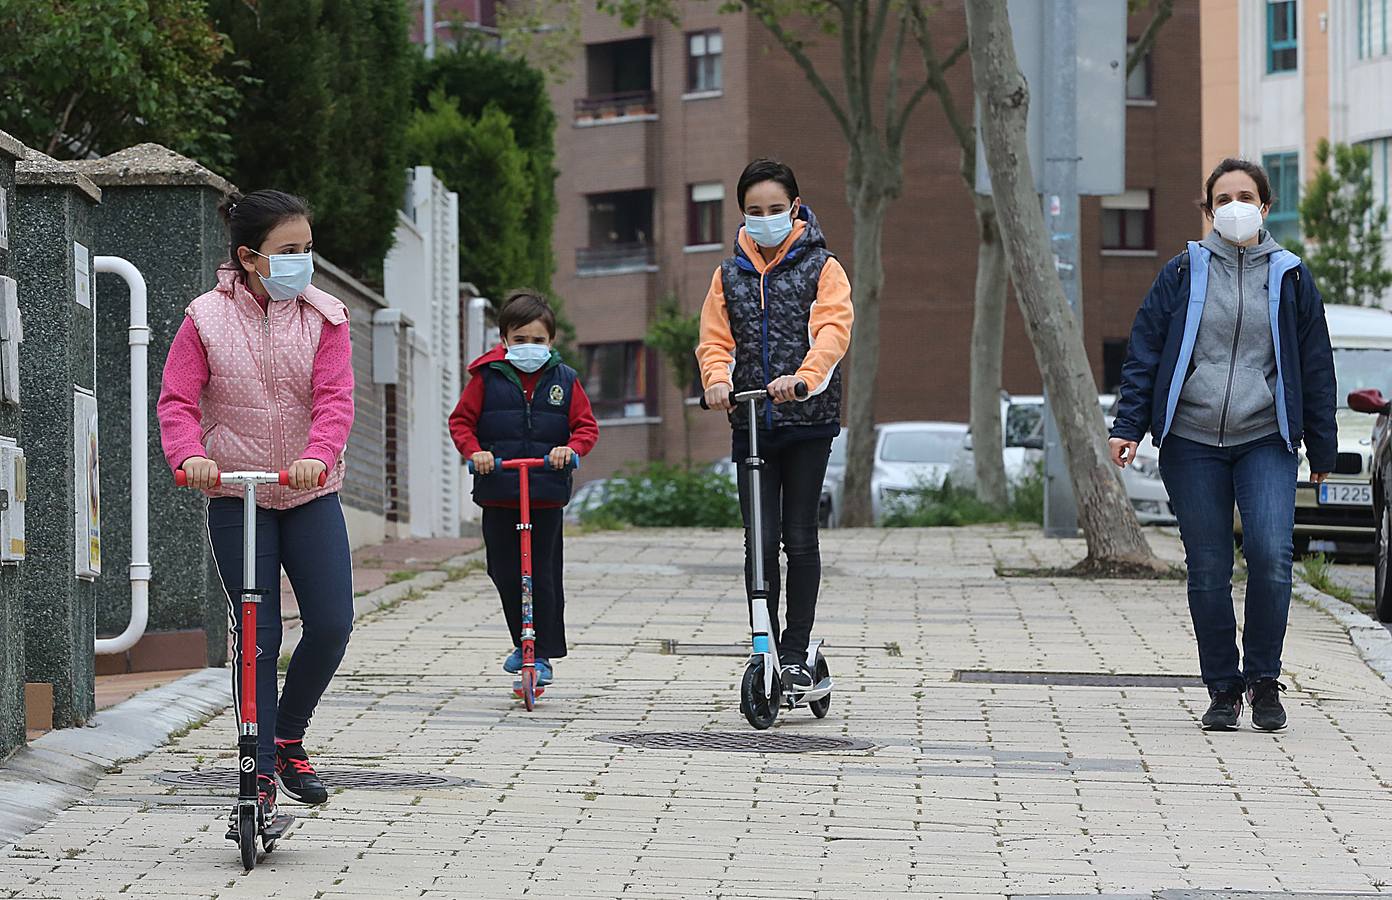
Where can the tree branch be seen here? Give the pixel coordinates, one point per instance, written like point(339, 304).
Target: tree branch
point(766, 15)
point(1163, 10)
point(892, 97)
point(870, 44)
point(937, 81)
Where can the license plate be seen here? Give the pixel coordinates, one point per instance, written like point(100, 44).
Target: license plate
point(1337, 494)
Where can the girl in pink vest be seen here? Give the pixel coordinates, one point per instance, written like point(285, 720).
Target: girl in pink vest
point(260, 376)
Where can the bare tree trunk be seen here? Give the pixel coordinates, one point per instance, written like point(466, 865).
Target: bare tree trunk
point(1114, 537)
point(868, 206)
point(988, 339)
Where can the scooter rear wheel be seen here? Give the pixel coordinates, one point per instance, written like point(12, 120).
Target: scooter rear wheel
point(761, 711)
point(246, 836)
point(820, 707)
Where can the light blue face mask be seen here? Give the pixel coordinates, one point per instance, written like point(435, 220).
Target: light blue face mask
point(528, 357)
point(290, 274)
point(769, 231)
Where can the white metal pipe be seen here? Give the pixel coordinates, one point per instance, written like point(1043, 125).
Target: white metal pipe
point(139, 340)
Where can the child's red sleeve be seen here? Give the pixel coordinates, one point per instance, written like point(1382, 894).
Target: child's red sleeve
point(463, 422)
point(584, 430)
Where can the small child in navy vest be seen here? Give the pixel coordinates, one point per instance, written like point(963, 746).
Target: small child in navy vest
point(522, 401)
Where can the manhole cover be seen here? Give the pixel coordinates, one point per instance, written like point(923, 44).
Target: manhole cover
point(1076, 679)
point(364, 779)
point(733, 741)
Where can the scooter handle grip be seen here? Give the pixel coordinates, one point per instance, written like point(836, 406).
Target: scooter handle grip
point(800, 392)
point(285, 477)
point(181, 479)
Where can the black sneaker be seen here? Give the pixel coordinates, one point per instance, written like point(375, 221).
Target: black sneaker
point(1224, 711)
point(1267, 712)
point(297, 775)
point(796, 676)
point(266, 800)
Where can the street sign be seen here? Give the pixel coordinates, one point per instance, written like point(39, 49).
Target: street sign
point(1101, 93)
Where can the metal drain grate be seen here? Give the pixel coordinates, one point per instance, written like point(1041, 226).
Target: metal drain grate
point(363, 779)
point(733, 741)
point(1076, 679)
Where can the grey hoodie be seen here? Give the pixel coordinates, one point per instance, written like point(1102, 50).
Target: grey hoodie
point(1230, 389)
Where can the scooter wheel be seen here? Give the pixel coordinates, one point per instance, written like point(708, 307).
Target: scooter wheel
point(820, 707)
point(761, 711)
point(529, 689)
point(246, 836)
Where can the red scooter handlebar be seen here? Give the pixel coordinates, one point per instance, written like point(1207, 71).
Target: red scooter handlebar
point(181, 477)
point(533, 463)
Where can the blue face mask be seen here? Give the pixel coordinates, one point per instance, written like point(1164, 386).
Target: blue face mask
point(290, 274)
point(528, 357)
point(769, 231)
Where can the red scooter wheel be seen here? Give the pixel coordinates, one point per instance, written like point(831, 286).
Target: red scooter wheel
point(526, 688)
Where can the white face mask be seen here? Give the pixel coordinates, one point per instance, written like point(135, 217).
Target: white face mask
point(1238, 222)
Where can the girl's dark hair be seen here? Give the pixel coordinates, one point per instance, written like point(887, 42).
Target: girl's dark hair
point(251, 217)
point(1232, 164)
point(523, 307)
point(761, 170)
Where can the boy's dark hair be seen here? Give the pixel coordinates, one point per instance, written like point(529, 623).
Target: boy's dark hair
point(251, 217)
point(761, 170)
point(1233, 164)
point(523, 307)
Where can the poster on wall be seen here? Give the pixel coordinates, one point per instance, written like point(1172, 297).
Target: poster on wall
point(86, 485)
point(82, 274)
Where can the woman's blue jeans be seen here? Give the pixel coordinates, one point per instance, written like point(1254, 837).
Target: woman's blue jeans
point(1203, 483)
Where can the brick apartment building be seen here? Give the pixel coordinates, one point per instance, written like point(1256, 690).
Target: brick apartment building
point(655, 125)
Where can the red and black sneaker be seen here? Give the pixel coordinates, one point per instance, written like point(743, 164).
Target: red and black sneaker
point(297, 775)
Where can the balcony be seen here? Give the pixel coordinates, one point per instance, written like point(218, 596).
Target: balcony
point(613, 108)
point(615, 259)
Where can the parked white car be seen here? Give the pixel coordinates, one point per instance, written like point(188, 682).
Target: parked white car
point(1022, 433)
point(1143, 485)
point(908, 456)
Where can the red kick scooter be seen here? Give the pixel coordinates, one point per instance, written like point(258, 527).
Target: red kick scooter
point(248, 823)
point(526, 687)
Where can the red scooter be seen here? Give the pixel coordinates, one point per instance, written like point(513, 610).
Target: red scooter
point(248, 823)
point(526, 687)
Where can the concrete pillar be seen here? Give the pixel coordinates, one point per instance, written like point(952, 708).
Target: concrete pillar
point(159, 211)
point(11, 619)
point(52, 234)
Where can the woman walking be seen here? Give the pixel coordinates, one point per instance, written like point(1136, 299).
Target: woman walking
point(1229, 366)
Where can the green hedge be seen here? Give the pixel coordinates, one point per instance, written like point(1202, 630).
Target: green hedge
point(660, 495)
point(946, 506)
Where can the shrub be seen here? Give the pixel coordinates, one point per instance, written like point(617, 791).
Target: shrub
point(661, 495)
point(948, 506)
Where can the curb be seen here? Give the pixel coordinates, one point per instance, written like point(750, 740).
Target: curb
point(51, 773)
point(1373, 641)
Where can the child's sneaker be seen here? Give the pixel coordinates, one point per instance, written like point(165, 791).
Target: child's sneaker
point(297, 775)
point(544, 673)
point(513, 664)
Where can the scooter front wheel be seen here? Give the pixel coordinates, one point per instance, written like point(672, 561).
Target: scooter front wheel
point(820, 707)
point(246, 836)
point(760, 710)
point(528, 676)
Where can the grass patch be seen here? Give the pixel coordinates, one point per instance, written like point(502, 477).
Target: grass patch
point(458, 573)
point(595, 521)
point(893, 649)
point(403, 575)
point(184, 732)
point(1315, 570)
point(951, 507)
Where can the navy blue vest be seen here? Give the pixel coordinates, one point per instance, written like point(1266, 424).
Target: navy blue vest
point(510, 428)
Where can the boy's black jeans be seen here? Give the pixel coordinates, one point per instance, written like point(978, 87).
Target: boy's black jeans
point(791, 485)
point(504, 551)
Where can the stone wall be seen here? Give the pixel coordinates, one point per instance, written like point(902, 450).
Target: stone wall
point(11, 620)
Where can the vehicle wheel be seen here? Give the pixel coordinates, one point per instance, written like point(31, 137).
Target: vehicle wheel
point(1301, 548)
point(1382, 596)
point(246, 836)
point(820, 707)
point(761, 711)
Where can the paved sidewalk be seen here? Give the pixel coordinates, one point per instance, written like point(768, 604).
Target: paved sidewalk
point(972, 790)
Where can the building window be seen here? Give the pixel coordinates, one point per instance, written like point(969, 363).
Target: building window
point(1283, 220)
point(1280, 36)
point(620, 229)
point(1138, 82)
point(619, 82)
point(1128, 222)
point(616, 379)
point(705, 209)
point(704, 67)
point(1380, 148)
point(1372, 28)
